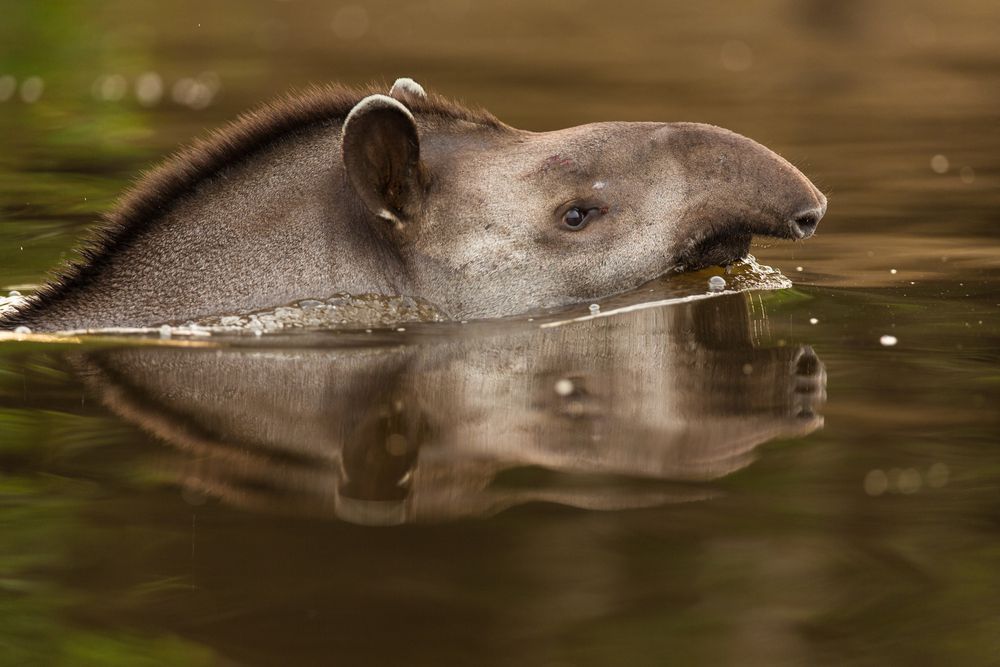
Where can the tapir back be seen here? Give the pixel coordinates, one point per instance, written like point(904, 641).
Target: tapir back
point(261, 232)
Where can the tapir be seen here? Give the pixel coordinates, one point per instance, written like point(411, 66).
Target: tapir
point(405, 193)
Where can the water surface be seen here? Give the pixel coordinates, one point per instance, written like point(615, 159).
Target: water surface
point(806, 475)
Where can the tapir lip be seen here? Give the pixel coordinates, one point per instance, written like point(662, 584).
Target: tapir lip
point(722, 242)
point(717, 246)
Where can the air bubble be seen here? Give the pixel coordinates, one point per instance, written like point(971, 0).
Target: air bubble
point(594, 308)
point(716, 284)
point(22, 330)
point(564, 387)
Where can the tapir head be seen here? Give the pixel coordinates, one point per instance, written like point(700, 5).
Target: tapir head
point(490, 220)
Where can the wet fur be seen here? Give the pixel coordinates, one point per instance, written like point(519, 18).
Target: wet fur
point(292, 201)
point(156, 191)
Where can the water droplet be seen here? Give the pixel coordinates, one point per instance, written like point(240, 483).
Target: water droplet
point(594, 308)
point(31, 89)
point(22, 330)
point(967, 174)
point(939, 163)
point(149, 89)
point(747, 369)
point(110, 88)
point(191, 93)
point(798, 268)
point(888, 341)
point(893, 271)
point(165, 331)
point(876, 483)
point(564, 387)
point(910, 481)
point(813, 320)
point(13, 293)
point(937, 475)
point(8, 85)
point(401, 329)
point(716, 284)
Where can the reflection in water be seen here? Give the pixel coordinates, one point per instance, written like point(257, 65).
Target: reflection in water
point(388, 435)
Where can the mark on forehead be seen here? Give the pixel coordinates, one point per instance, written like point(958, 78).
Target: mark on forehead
point(558, 163)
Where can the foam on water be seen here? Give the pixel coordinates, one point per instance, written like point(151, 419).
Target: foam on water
point(351, 311)
point(366, 312)
point(749, 274)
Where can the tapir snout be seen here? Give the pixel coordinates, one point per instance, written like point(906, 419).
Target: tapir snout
point(737, 188)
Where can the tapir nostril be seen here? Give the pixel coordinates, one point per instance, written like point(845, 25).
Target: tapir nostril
point(804, 224)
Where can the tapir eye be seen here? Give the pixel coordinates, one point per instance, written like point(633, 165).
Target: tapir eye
point(576, 217)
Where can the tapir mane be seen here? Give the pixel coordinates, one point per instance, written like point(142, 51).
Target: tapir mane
point(155, 191)
point(254, 131)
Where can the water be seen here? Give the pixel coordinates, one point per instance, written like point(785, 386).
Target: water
point(756, 477)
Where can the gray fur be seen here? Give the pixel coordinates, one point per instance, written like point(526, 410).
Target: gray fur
point(266, 213)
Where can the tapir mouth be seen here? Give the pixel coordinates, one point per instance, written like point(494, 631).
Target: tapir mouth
point(724, 241)
point(715, 248)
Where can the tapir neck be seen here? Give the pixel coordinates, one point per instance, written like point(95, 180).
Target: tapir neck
point(282, 224)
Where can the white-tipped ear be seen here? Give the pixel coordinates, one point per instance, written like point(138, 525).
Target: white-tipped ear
point(374, 103)
point(406, 90)
point(381, 150)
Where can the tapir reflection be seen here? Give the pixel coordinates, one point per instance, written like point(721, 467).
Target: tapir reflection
point(677, 396)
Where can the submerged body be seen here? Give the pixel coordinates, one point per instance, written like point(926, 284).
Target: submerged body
point(336, 191)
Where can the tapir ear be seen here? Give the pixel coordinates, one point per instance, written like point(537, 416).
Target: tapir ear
point(382, 156)
point(408, 91)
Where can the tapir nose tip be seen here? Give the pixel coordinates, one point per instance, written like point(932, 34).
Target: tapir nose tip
point(803, 224)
